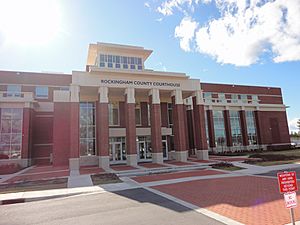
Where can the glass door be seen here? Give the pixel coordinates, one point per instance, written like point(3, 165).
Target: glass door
point(117, 154)
point(142, 149)
point(165, 148)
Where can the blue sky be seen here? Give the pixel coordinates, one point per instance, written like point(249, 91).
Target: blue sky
point(186, 36)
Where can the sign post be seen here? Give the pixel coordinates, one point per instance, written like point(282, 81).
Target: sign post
point(288, 186)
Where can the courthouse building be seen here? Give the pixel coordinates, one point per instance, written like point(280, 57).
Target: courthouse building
point(117, 111)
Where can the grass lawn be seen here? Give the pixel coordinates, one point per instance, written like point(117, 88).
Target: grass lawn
point(34, 185)
point(99, 179)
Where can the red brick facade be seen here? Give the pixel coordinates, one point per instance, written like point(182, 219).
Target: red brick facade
point(52, 134)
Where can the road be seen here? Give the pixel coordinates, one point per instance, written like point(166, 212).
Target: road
point(132, 207)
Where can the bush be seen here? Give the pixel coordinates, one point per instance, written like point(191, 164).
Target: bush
point(222, 165)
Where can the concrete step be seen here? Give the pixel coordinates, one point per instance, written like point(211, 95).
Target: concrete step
point(149, 171)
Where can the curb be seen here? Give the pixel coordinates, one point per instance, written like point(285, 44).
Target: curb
point(33, 199)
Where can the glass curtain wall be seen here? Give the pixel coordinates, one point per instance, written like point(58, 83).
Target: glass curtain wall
point(11, 133)
point(206, 128)
point(219, 127)
point(251, 128)
point(236, 131)
point(87, 129)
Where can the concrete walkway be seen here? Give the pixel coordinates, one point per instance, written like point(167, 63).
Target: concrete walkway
point(80, 181)
point(254, 169)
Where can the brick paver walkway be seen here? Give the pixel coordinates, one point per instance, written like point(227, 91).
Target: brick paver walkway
point(122, 167)
point(90, 170)
point(249, 200)
point(169, 176)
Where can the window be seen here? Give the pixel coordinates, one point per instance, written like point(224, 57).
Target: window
point(207, 97)
point(221, 97)
point(138, 114)
point(87, 128)
point(11, 133)
point(101, 58)
point(251, 128)
point(234, 98)
point(113, 113)
point(41, 92)
point(244, 98)
point(170, 114)
point(206, 127)
point(14, 90)
point(236, 132)
point(118, 62)
point(219, 128)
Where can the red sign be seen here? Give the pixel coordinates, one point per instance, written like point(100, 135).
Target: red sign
point(287, 181)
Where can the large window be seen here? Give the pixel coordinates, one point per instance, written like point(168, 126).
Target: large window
point(41, 92)
point(251, 128)
point(11, 133)
point(14, 90)
point(170, 114)
point(113, 113)
point(236, 132)
point(87, 128)
point(220, 136)
point(116, 61)
point(138, 114)
point(206, 127)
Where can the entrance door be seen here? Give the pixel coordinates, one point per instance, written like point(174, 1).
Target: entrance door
point(165, 148)
point(144, 150)
point(116, 152)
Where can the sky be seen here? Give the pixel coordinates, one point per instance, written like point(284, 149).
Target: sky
point(249, 42)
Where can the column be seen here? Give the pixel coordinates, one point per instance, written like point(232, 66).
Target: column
point(243, 123)
point(179, 126)
point(130, 127)
point(61, 128)
point(25, 154)
point(199, 123)
point(210, 127)
point(227, 126)
point(102, 128)
point(74, 163)
point(155, 118)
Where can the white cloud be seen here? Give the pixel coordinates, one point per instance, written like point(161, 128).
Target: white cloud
point(168, 7)
point(185, 31)
point(293, 125)
point(244, 31)
point(147, 5)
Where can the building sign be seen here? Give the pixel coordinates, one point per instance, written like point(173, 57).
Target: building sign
point(287, 181)
point(290, 200)
point(140, 83)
